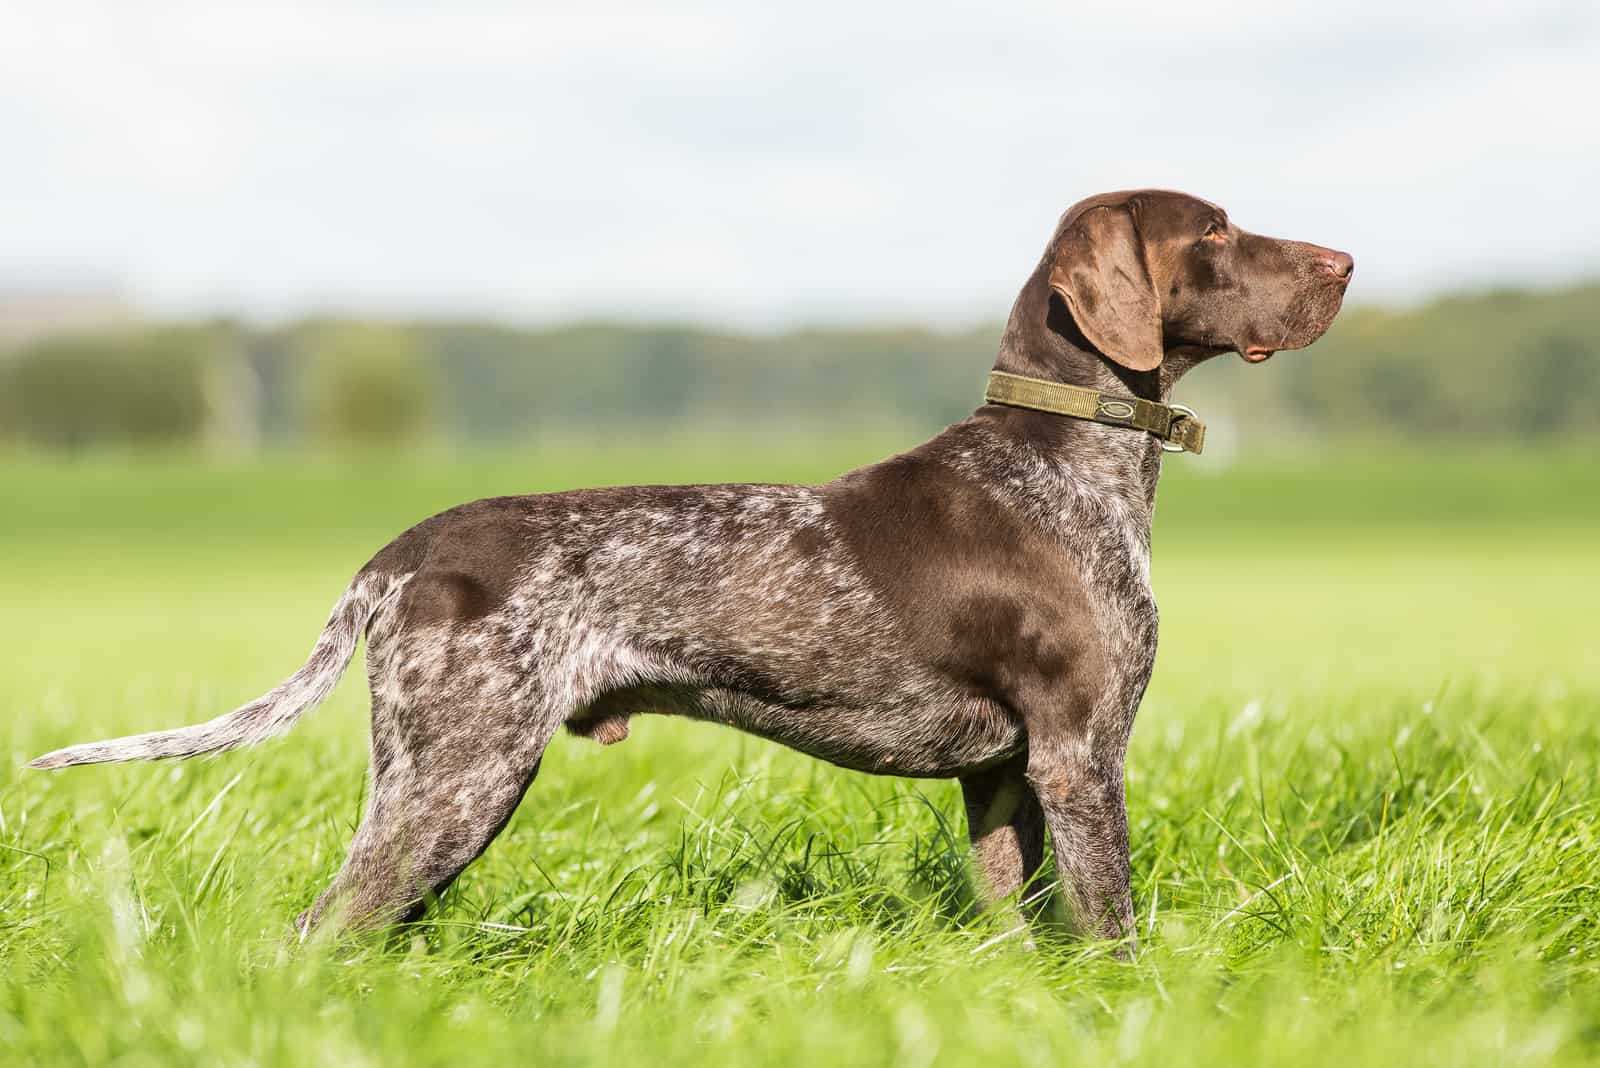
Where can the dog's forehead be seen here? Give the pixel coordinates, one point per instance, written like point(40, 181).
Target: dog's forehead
point(1157, 209)
point(1187, 203)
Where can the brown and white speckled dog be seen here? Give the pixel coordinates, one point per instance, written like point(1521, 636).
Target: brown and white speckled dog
point(976, 608)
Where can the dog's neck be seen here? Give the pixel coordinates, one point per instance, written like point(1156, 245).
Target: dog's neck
point(1042, 340)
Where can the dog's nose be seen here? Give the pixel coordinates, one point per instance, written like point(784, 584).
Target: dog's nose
point(1338, 264)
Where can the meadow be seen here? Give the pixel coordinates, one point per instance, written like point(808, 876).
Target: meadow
point(1364, 790)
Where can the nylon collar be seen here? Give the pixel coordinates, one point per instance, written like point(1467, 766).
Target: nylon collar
point(1175, 426)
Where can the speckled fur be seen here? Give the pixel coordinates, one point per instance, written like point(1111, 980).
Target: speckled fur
point(977, 608)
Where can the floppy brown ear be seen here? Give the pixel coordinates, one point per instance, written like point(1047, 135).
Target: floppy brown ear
point(1100, 272)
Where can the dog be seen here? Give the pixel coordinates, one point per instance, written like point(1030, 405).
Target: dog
point(977, 608)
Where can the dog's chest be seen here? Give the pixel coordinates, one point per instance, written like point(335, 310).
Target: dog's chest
point(1126, 611)
point(1105, 532)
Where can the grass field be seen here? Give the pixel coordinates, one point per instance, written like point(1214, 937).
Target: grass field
point(1364, 787)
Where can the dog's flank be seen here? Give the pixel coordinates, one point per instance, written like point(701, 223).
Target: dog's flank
point(268, 715)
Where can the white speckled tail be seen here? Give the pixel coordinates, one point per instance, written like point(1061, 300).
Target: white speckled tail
point(266, 716)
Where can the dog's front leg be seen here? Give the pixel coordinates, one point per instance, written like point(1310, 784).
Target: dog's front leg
point(1081, 793)
point(1007, 831)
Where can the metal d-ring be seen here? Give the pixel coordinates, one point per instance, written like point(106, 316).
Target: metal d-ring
point(1187, 412)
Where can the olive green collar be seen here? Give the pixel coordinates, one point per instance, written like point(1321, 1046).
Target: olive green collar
point(1178, 429)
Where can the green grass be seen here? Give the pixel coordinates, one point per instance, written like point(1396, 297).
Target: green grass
point(1365, 793)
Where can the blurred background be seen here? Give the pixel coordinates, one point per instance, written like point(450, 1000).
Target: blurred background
point(234, 227)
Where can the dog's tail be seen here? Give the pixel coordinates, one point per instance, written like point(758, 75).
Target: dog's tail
point(268, 715)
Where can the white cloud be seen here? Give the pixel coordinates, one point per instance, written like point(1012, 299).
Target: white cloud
point(736, 161)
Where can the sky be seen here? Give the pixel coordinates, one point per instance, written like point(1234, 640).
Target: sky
point(766, 165)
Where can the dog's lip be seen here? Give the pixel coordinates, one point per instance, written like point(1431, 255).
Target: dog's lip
point(1257, 353)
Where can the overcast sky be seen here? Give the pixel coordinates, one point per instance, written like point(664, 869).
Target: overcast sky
point(765, 164)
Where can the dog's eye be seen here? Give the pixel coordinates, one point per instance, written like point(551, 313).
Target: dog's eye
point(1213, 231)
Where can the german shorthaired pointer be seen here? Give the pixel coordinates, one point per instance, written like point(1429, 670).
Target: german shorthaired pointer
point(977, 608)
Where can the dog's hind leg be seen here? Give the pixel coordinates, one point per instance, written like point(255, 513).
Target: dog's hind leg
point(446, 778)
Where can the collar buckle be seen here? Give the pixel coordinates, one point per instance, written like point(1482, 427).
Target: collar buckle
point(1180, 413)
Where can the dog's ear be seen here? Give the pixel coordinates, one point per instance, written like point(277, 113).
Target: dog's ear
point(1099, 269)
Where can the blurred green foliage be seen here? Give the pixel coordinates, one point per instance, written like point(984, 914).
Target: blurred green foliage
point(366, 383)
point(1508, 365)
point(139, 387)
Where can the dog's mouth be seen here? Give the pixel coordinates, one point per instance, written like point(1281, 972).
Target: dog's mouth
point(1307, 319)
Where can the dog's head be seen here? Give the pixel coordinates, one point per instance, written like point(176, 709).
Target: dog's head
point(1149, 271)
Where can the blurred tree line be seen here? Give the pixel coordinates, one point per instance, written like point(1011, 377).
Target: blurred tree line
point(1506, 364)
